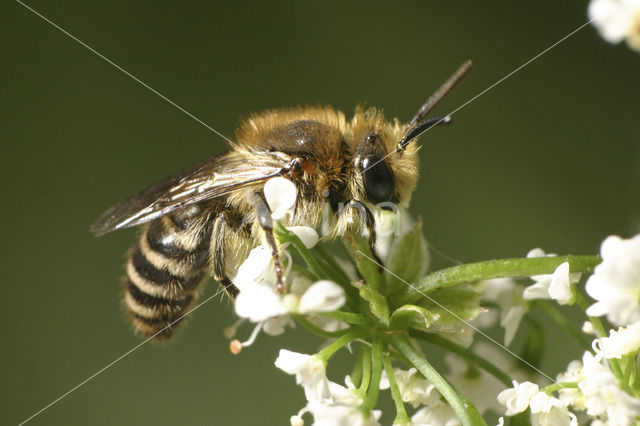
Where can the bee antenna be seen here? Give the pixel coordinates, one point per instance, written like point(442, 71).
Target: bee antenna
point(418, 124)
point(439, 94)
point(420, 128)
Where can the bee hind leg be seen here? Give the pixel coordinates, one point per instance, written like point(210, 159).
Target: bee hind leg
point(222, 226)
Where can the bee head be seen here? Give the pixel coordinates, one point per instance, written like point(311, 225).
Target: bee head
point(382, 173)
point(385, 159)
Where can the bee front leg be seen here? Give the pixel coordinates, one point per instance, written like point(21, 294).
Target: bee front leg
point(266, 223)
point(366, 218)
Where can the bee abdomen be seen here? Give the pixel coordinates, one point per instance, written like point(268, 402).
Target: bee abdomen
point(164, 272)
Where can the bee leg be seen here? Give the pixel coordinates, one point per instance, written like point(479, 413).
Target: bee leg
point(366, 217)
point(266, 223)
point(221, 228)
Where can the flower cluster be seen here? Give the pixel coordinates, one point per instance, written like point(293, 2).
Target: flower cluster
point(513, 298)
point(382, 305)
point(617, 20)
point(330, 403)
point(603, 385)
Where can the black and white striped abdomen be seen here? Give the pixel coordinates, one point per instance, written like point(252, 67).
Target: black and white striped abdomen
point(165, 270)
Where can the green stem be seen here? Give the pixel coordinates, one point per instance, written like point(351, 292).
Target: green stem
point(559, 386)
point(365, 261)
point(348, 317)
point(315, 329)
point(466, 412)
point(401, 412)
point(366, 370)
point(316, 269)
point(376, 373)
point(339, 343)
point(553, 313)
point(303, 271)
point(340, 275)
point(285, 236)
point(356, 373)
point(502, 268)
point(469, 356)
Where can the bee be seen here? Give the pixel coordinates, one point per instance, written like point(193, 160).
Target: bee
point(208, 217)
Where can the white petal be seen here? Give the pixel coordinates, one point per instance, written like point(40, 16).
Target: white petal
point(539, 290)
point(280, 194)
point(307, 235)
point(611, 18)
point(252, 268)
point(536, 252)
point(275, 326)
point(560, 286)
point(292, 362)
point(511, 321)
point(621, 342)
point(258, 303)
point(614, 283)
point(441, 415)
point(517, 399)
point(323, 296)
point(309, 371)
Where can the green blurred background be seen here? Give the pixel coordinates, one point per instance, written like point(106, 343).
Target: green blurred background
point(549, 158)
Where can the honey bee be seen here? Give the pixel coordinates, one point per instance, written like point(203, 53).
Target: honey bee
point(209, 216)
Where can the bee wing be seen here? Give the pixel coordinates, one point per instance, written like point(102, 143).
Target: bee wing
point(212, 178)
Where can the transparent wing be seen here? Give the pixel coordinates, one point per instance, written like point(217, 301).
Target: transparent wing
point(212, 178)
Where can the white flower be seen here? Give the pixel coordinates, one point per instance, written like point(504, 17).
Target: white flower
point(328, 324)
point(603, 393)
point(481, 387)
point(511, 320)
point(390, 227)
point(556, 286)
point(280, 194)
point(309, 371)
point(339, 407)
point(341, 415)
point(386, 227)
point(441, 415)
point(571, 396)
point(322, 296)
point(621, 342)
point(617, 20)
point(413, 387)
point(517, 398)
point(307, 235)
point(615, 283)
point(260, 301)
point(549, 411)
point(508, 295)
point(587, 328)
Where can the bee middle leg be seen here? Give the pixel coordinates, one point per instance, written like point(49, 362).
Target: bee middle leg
point(266, 223)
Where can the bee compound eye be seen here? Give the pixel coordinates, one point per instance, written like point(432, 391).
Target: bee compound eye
point(379, 182)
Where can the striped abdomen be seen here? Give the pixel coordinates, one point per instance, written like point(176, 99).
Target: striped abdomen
point(165, 270)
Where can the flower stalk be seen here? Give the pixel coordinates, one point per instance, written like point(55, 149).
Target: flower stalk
point(464, 409)
point(472, 272)
point(401, 412)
